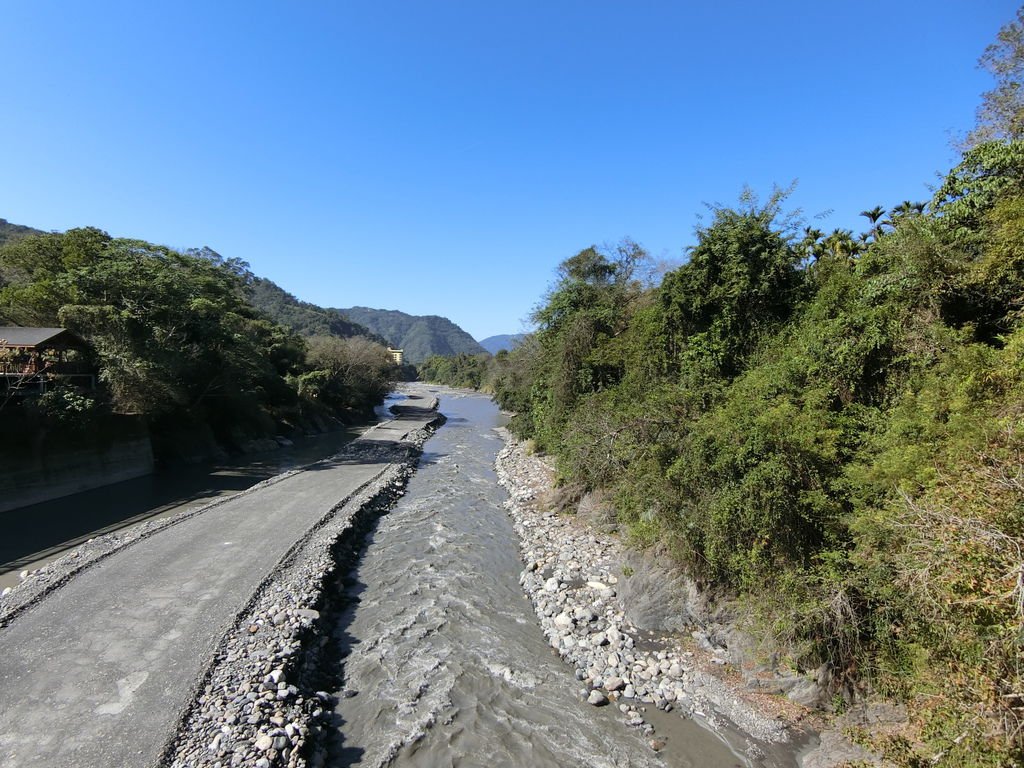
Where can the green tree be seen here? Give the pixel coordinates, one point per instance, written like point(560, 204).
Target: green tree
point(589, 305)
point(742, 279)
point(874, 216)
point(347, 374)
point(1001, 114)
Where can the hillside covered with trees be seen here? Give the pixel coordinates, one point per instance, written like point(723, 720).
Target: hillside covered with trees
point(9, 231)
point(177, 343)
point(826, 427)
point(419, 335)
point(304, 318)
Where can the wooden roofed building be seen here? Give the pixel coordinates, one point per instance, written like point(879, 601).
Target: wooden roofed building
point(32, 359)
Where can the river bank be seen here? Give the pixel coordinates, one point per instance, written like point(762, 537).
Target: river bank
point(126, 629)
point(258, 704)
point(40, 533)
point(575, 577)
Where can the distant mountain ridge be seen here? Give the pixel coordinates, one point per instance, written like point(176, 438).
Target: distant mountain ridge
point(419, 335)
point(302, 317)
point(503, 341)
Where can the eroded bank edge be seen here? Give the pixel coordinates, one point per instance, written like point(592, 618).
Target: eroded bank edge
point(258, 702)
point(576, 602)
point(43, 581)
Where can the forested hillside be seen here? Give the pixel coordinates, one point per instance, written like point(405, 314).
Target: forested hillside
point(302, 317)
point(419, 335)
point(827, 427)
point(176, 343)
point(9, 231)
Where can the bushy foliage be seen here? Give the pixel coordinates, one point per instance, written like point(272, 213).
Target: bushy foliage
point(831, 431)
point(348, 373)
point(175, 338)
point(460, 370)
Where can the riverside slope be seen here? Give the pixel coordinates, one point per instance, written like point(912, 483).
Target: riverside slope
point(101, 670)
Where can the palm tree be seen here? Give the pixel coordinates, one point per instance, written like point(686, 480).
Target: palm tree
point(810, 241)
point(842, 244)
point(873, 215)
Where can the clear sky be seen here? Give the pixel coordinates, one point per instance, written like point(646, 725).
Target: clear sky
point(443, 157)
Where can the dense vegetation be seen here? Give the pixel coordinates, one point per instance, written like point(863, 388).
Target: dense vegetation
point(420, 336)
point(455, 371)
point(830, 427)
point(177, 343)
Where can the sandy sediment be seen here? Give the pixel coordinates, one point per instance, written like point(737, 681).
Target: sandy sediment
point(253, 705)
point(258, 704)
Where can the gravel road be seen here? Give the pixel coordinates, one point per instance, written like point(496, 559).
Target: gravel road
point(99, 671)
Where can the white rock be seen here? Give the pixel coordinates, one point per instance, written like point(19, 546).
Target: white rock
point(614, 684)
point(264, 742)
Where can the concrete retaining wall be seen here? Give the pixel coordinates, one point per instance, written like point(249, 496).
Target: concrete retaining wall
point(62, 472)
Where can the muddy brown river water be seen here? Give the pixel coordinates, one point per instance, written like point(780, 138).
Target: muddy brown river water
point(442, 660)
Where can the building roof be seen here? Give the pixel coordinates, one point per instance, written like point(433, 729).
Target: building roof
point(17, 336)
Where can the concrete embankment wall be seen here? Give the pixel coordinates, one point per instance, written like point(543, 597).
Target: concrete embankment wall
point(31, 479)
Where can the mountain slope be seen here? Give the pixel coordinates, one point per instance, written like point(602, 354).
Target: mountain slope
point(10, 231)
point(419, 335)
point(301, 316)
point(504, 341)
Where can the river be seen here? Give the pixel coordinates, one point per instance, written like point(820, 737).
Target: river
point(442, 661)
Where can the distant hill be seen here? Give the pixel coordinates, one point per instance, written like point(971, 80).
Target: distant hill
point(301, 316)
point(10, 231)
point(419, 335)
point(495, 344)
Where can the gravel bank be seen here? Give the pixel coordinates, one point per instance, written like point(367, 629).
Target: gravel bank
point(571, 576)
point(258, 705)
point(37, 584)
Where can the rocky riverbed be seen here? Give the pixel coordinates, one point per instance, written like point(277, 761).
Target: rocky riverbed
point(258, 705)
point(574, 577)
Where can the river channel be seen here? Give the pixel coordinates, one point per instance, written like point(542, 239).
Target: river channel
point(34, 535)
point(442, 661)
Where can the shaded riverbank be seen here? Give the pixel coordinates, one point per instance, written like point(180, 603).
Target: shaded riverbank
point(582, 587)
point(37, 534)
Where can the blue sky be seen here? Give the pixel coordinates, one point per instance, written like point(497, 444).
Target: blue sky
point(444, 157)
